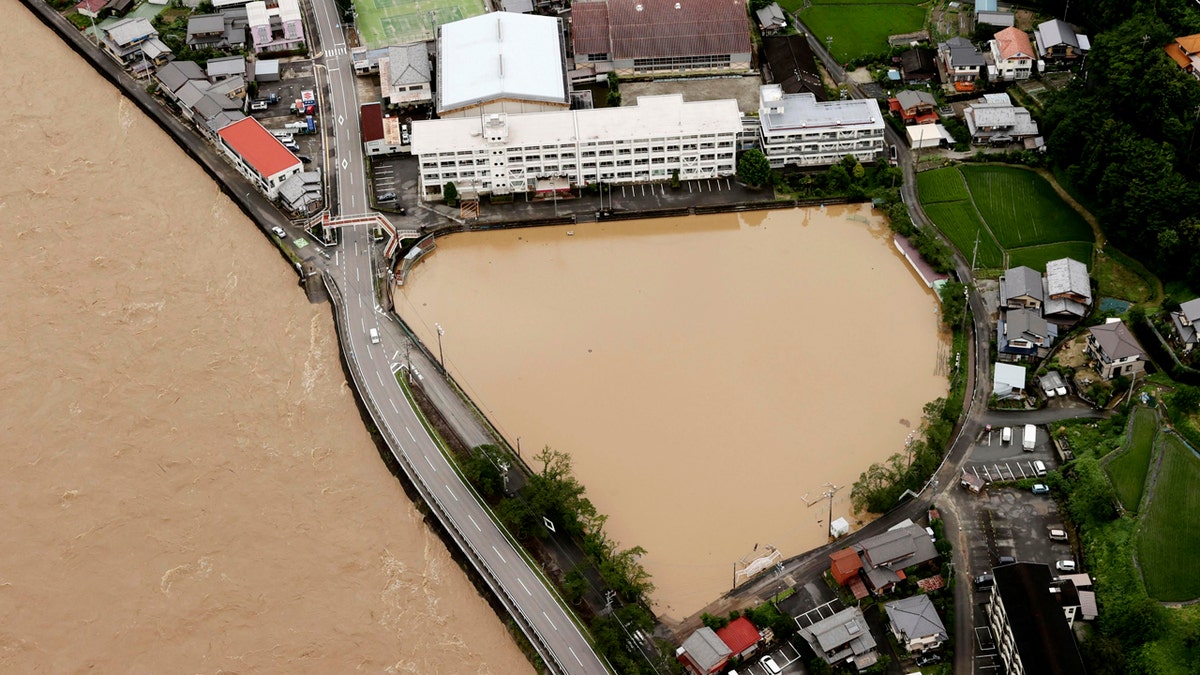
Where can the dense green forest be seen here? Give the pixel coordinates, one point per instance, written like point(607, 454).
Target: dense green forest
point(1125, 134)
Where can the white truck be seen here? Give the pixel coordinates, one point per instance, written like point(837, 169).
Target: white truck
point(1029, 439)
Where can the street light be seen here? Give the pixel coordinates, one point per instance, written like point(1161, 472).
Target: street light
point(441, 359)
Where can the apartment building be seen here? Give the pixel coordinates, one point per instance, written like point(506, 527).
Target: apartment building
point(501, 153)
point(799, 130)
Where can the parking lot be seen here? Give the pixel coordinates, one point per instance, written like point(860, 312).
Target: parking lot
point(295, 76)
point(993, 459)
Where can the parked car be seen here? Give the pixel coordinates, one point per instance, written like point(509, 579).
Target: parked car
point(1065, 565)
point(304, 158)
point(769, 663)
point(258, 105)
point(1005, 560)
point(387, 197)
point(1058, 535)
point(928, 659)
point(1040, 489)
point(984, 581)
point(279, 232)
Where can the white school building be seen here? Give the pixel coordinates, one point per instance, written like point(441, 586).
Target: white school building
point(501, 153)
point(799, 130)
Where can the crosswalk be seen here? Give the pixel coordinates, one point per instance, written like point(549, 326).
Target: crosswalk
point(335, 51)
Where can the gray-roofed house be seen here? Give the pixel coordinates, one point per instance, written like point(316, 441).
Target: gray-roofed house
point(1066, 291)
point(518, 6)
point(266, 70)
point(885, 556)
point(963, 62)
point(1021, 287)
point(172, 76)
point(771, 19)
point(994, 120)
point(206, 30)
point(1057, 41)
point(844, 638)
point(211, 126)
point(189, 95)
point(157, 51)
point(1023, 332)
point(997, 18)
point(916, 624)
point(1186, 321)
point(225, 67)
point(123, 39)
point(1116, 350)
point(1029, 624)
point(404, 75)
point(703, 652)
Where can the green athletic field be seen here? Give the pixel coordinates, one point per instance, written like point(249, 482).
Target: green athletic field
point(858, 27)
point(397, 22)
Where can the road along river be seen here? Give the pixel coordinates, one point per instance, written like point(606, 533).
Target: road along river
point(188, 484)
point(706, 374)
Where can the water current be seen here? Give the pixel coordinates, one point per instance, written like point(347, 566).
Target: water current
point(187, 484)
point(709, 375)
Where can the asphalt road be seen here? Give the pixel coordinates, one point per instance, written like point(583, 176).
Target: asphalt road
point(352, 271)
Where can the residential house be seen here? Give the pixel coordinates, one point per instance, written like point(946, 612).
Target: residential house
point(226, 67)
point(1186, 321)
point(791, 64)
point(1008, 381)
point(916, 624)
point(366, 61)
point(258, 155)
point(1067, 291)
point(1024, 332)
point(275, 28)
point(1115, 349)
point(994, 120)
point(771, 19)
point(301, 193)
point(798, 130)
point(963, 63)
point(843, 639)
point(1021, 287)
point(499, 153)
point(1028, 623)
point(205, 31)
point(886, 556)
point(1079, 600)
point(1185, 52)
point(703, 653)
point(1057, 41)
point(91, 8)
point(914, 107)
point(382, 134)
point(636, 37)
point(922, 136)
point(1012, 54)
point(919, 64)
point(500, 63)
point(172, 76)
point(123, 39)
point(404, 76)
point(845, 567)
point(741, 636)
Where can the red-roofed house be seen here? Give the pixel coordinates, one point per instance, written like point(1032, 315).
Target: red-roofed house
point(1185, 52)
point(740, 636)
point(258, 155)
point(91, 8)
point(381, 134)
point(1013, 53)
point(634, 37)
point(845, 565)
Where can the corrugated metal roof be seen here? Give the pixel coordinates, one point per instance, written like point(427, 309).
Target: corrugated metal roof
point(661, 28)
point(501, 55)
point(371, 121)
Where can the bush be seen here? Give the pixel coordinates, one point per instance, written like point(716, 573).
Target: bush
point(450, 193)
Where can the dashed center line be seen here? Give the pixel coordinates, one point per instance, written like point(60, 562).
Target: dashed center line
point(574, 654)
point(550, 620)
point(449, 490)
point(519, 581)
point(473, 521)
point(499, 555)
point(430, 462)
point(410, 435)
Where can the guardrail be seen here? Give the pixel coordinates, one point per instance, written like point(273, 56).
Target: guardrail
point(549, 657)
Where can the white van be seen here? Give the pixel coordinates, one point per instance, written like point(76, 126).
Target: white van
point(1029, 440)
point(1006, 435)
point(1039, 467)
point(374, 336)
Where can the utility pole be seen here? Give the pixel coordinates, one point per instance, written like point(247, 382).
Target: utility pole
point(441, 358)
point(828, 493)
point(975, 252)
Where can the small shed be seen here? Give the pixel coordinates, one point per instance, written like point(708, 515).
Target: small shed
point(1008, 381)
point(266, 70)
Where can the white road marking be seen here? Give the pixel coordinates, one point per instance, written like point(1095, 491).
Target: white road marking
point(358, 273)
point(333, 70)
point(410, 434)
point(380, 378)
point(524, 586)
point(394, 405)
point(575, 655)
point(474, 523)
point(397, 351)
point(550, 620)
point(501, 558)
point(451, 492)
point(364, 323)
point(430, 462)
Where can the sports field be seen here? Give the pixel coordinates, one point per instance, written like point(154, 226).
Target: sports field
point(859, 27)
point(1169, 533)
point(1019, 218)
point(397, 22)
point(1128, 469)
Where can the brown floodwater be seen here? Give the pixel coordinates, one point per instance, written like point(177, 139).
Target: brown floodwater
point(705, 373)
point(187, 485)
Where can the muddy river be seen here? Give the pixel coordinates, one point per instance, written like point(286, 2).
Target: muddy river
point(708, 375)
point(187, 486)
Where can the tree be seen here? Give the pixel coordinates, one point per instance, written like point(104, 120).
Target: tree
point(450, 193)
point(954, 303)
point(1186, 399)
point(754, 169)
point(481, 469)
